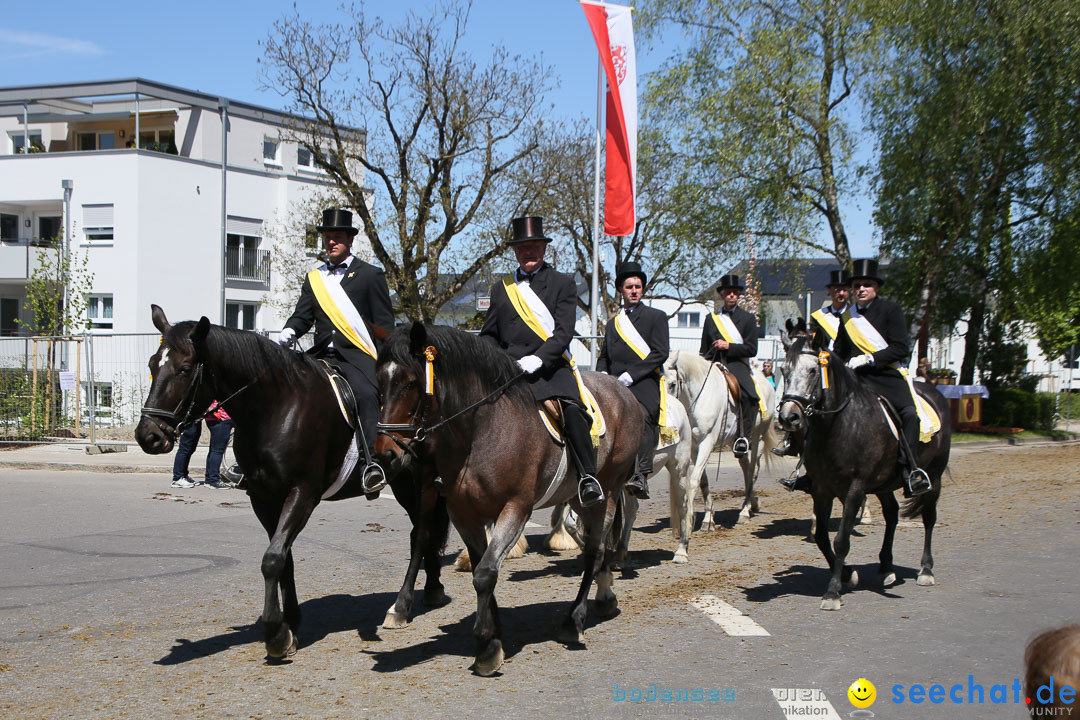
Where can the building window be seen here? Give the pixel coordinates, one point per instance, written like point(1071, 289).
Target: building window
point(240, 316)
point(95, 141)
point(271, 148)
point(99, 311)
point(9, 227)
point(159, 141)
point(18, 144)
point(689, 319)
point(98, 224)
point(49, 230)
point(303, 158)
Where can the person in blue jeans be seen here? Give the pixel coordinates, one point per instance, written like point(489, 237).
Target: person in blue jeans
point(220, 426)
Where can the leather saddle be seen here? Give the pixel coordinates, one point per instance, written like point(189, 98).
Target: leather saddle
point(732, 384)
point(343, 391)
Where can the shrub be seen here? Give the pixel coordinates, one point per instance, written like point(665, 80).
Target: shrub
point(1012, 407)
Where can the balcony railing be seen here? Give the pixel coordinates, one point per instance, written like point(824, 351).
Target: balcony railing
point(247, 264)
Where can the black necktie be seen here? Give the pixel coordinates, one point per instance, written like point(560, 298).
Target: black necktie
point(334, 268)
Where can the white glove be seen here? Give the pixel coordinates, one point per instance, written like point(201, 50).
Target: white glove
point(530, 364)
point(859, 360)
point(286, 337)
point(626, 380)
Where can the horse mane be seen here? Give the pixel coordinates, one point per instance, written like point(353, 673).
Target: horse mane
point(248, 353)
point(478, 365)
point(696, 369)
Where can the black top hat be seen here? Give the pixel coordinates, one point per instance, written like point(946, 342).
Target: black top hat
point(838, 277)
point(731, 281)
point(865, 268)
point(335, 219)
point(528, 228)
point(629, 269)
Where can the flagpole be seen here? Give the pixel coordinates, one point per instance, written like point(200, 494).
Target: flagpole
point(594, 304)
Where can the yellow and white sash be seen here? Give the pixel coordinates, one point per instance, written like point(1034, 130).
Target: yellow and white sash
point(538, 318)
point(829, 322)
point(868, 340)
point(342, 313)
point(732, 335)
point(630, 335)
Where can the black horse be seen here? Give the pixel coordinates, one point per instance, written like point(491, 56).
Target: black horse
point(456, 401)
point(291, 440)
point(850, 452)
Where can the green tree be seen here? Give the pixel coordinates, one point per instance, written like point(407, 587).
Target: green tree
point(975, 119)
point(440, 133)
point(757, 103)
point(56, 292)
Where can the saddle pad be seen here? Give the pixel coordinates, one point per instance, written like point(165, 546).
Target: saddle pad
point(352, 455)
point(555, 483)
point(888, 419)
point(553, 430)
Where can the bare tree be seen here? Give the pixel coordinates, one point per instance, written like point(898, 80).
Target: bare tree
point(440, 131)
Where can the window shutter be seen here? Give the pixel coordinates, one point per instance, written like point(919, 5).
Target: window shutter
point(97, 216)
point(243, 226)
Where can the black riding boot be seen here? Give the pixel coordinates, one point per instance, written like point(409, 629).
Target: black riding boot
point(638, 485)
point(576, 423)
point(747, 420)
point(917, 481)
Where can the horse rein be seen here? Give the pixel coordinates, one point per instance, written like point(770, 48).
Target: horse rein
point(419, 433)
point(182, 421)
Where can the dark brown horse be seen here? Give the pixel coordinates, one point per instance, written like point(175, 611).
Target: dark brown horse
point(480, 429)
point(291, 440)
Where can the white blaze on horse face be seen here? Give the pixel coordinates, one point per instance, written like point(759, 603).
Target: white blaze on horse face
point(164, 357)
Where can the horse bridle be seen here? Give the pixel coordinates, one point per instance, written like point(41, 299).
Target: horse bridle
point(807, 405)
point(418, 433)
point(182, 421)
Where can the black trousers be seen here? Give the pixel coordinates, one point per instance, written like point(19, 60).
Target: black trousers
point(896, 391)
point(650, 434)
point(576, 425)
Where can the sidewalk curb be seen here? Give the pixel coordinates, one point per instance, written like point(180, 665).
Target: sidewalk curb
point(81, 467)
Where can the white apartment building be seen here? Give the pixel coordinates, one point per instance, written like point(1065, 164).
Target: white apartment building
point(169, 192)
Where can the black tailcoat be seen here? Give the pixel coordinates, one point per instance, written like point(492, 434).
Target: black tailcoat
point(738, 355)
point(616, 357)
point(365, 285)
point(503, 326)
point(888, 319)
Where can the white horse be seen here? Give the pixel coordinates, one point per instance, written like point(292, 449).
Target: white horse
point(672, 463)
point(702, 388)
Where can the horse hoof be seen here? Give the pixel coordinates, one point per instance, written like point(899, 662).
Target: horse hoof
point(680, 557)
point(754, 504)
point(607, 608)
point(831, 603)
point(925, 579)
point(488, 662)
point(744, 516)
point(282, 645)
point(888, 580)
point(394, 621)
point(852, 581)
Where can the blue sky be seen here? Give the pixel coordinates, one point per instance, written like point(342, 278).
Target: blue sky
point(214, 47)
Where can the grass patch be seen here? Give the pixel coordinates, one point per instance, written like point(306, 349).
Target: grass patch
point(959, 437)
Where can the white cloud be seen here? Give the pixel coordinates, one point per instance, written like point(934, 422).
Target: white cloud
point(24, 44)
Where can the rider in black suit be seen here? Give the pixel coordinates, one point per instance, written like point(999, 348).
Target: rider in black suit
point(548, 373)
point(365, 286)
point(639, 374)
point(875, 369)
point(735, 355)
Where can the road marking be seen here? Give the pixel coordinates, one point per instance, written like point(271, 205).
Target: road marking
point(728, 617)
point(800, 703)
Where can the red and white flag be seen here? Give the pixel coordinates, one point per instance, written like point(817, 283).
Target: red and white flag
point(614, 33)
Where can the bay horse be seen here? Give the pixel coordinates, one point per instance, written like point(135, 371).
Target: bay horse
point(290, 438)
point(849, 451)
point(702, 388)
point(460, 402)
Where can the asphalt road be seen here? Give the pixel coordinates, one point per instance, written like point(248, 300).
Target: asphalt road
point(121, 597)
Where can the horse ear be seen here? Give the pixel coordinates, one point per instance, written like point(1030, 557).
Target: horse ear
point(199, 333)
point(160, 321)
point(820, 341)
point(801, 326)
point(417, 337)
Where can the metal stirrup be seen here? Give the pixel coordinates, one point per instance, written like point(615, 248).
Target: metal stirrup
point(368, 462)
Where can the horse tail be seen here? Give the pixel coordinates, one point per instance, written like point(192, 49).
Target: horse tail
point(914, 507)
point(771, 440)
point(560, 538)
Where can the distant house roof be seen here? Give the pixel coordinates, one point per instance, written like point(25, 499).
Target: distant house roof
point(788, 278)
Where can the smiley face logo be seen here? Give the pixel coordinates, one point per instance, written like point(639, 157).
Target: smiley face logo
point(862, 693)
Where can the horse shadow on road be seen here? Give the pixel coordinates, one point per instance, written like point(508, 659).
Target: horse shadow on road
point(799, 527)
point(521, 627)
point(811, 581)
point(321, 617)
